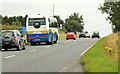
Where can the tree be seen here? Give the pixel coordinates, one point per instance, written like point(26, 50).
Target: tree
point(16, 22)
point(59, 20)
point(74, 23)
point(113, 9)
point(22, 20)
point(0, 19)
point(5, 20)
point(13, 23)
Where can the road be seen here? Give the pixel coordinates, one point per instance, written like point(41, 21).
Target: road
point(61, 57)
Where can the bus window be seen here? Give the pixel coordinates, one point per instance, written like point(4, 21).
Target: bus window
point(34, 21)
point(52, 23)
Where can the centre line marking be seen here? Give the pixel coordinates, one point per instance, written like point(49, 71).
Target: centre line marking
point(33, 51)
point(47, 46)
point(9, 56)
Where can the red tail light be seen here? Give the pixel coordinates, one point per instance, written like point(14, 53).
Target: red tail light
point(15, 39)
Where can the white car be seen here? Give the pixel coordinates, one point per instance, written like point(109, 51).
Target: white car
point(87, 35)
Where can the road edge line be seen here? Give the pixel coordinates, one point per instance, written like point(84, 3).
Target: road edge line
point(79, 56)
point(87, 49)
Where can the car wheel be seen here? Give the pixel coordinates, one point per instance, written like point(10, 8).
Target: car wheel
point(74, 38)
point(19, 47)
point(6, 49)
point(66, 38)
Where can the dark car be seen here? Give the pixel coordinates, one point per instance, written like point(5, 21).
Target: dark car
point(82, 35)
point(12, 39)
point(95, 35)
point(70, 35)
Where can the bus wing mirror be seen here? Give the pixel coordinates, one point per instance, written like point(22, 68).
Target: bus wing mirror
point(60, 26)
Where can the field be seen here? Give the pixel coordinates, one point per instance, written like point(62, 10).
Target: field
point(5, 27)
point(100, 59)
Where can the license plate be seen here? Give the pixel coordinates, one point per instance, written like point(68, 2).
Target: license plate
point(37, 39)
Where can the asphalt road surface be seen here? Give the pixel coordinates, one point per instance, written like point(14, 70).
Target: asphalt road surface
point(61, 57)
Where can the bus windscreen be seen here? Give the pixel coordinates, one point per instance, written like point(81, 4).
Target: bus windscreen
point(37, 20)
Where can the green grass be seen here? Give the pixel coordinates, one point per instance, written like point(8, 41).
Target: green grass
point(10, 27)
point(95, 60)
point(62, 35)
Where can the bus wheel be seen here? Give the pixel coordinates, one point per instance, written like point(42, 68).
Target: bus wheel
point(31, 43)
point(55, 41)
point(49, 43)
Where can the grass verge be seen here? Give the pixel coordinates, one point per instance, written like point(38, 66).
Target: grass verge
point(95, 59)
point(10, 27)
point(62, 35)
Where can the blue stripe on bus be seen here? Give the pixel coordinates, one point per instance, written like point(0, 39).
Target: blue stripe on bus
point(49, 36)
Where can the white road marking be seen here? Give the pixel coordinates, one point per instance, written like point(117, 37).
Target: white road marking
point(87, 49)
point(32, 50)
point(9, 56)
point(76, 58)
point(68, 66)
point(64, 68)
point(47, 46)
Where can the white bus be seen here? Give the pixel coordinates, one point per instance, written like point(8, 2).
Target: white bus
point(42, 29)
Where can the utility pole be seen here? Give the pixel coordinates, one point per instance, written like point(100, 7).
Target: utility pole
point(53, 10)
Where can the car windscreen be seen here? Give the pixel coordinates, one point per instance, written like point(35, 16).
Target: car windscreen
point(70, 33)
point(7, 33)
point(36, 21)
point(82, 33)
point(95, 32)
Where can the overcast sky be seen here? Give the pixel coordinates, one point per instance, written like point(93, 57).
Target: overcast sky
point(93, 19)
